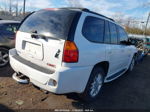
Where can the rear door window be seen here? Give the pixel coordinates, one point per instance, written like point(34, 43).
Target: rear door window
point(107, 33)
point(122, 34)
point(113, 33)
point(93, 29)
point(52, 23)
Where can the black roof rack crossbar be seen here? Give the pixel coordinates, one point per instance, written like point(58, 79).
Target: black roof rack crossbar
point(76, 8)
point(87, 10)
point(100, 15)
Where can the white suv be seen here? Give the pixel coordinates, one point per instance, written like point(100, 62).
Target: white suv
point(70, 50)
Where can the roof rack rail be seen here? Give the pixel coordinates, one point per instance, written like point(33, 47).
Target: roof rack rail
point(100, 15)
point(76, 8)
point(87, 10)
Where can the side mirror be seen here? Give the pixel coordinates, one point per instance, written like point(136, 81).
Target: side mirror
point(126, 43)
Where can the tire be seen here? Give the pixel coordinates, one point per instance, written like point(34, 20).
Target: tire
point(146, 51)
point(88, 95)
point(132, 64)
point(4, 57)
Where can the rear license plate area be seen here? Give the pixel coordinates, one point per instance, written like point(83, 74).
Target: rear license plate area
point(33, 50)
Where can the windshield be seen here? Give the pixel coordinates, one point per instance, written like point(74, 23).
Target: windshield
point(51, 23)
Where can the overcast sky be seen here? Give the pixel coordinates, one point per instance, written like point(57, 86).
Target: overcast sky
point(129, 8)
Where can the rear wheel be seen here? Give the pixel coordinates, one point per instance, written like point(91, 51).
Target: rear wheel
point(94, 85)
point(4, 57)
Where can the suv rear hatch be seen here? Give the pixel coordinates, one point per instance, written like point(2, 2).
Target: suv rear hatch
point(42, 35)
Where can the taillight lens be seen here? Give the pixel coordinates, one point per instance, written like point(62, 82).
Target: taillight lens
point(70, 54)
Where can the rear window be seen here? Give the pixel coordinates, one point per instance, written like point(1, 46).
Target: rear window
point(51, 23)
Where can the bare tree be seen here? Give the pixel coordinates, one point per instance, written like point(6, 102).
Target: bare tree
point(148, 18)
point(10, 6)
point(118, 17)
point(24, 6)
point(15, 6)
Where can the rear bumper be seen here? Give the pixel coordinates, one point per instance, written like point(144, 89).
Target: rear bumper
point(67, 79)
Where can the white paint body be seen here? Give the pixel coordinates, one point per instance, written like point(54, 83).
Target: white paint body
point(70, 77)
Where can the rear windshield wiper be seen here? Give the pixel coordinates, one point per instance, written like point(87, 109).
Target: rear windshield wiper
point(36, 35)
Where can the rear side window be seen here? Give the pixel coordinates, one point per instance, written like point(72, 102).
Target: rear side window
point(122, 34)
point(52, 23)
point(113, 33)
point(107, 33)
point(93, 29)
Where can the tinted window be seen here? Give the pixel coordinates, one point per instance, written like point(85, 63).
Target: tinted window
point(8, 30)
point(122, 34)
point(147, 39)
point(1, 27)
point(11, 28)
point(107, 33)
point(15, 26)
point(93, 29)
point(113, 33)
point(53, 23)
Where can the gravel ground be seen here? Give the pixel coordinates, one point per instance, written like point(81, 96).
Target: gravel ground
point(130, 91)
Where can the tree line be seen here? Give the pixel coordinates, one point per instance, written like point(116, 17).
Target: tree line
point(138, 31)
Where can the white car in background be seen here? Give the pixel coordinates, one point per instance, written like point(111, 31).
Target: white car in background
point(71, 50)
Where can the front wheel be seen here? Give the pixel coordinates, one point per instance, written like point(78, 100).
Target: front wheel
point(94, 85)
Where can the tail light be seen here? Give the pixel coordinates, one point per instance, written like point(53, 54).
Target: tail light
point(70, 53)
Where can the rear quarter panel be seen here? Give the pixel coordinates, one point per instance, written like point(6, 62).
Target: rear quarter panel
point(90, 53)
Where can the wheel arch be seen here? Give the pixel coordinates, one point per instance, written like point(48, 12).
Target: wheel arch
point(104, 65)
point(6, 47)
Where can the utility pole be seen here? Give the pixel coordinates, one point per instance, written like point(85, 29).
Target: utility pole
point(5, 7)
point(10, 7)
point(146, 5)
point(24, 6)
point(16, 6)
point(146, 24)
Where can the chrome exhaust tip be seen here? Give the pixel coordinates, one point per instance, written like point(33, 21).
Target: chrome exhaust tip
point(20, 78)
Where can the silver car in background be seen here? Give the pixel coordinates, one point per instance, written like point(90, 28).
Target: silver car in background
point(8, 30)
